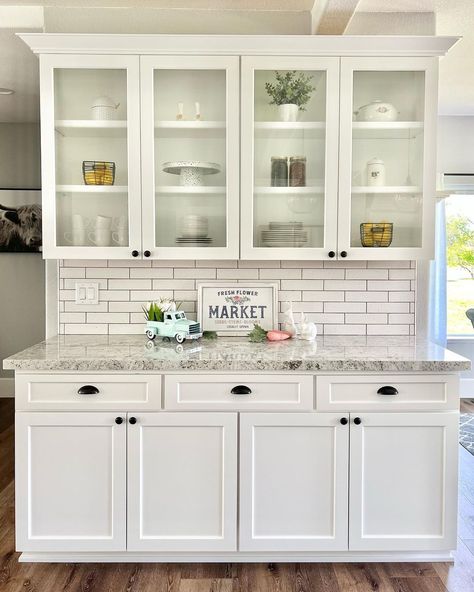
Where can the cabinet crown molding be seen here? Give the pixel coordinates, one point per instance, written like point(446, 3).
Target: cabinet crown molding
point(322, 45)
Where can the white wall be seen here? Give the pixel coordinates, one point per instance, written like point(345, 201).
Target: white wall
point(22, 308)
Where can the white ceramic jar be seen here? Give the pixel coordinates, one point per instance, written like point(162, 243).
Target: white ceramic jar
point(376, 173)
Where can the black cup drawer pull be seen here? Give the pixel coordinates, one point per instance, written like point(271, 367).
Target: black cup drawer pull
point(241, 389)
point(387, 390)
point(88, 389)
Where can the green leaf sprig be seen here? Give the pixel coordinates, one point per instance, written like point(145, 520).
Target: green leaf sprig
point(290, 88)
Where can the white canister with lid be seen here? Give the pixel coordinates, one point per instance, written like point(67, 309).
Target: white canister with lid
point(376, 173)
point(104, 108)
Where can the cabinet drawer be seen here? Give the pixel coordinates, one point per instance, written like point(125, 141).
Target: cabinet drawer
point(419, 392)
point(73, 391)
point(214, 392)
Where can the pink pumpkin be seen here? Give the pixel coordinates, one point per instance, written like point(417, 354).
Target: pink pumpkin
point(278, 335)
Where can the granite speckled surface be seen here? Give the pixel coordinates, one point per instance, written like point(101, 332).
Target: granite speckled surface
point(104, 353)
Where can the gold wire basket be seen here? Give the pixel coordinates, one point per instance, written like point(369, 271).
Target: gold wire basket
point(376, 234)
point(98, 173)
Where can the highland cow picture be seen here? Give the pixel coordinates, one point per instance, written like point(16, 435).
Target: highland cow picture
point(20, 221)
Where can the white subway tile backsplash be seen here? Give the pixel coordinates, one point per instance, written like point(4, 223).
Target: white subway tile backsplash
point(108, 317)
point(341, 297)
point(152, 272)
point(106, 272)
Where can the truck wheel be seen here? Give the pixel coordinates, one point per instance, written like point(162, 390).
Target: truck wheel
point(180, 338)
point(150, 334)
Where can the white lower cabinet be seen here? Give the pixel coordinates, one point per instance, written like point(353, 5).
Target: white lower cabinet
point(293, 482)
point(403, 481)
point(182, 482)
point(70, 482)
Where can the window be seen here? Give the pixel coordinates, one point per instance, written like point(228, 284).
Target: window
point(460, 263)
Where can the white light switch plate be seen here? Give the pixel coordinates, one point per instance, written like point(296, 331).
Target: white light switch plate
point(87, 293)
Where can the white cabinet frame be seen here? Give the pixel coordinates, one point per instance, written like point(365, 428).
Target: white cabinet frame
point(27, 476)
point(148, 64)
point(338, 456)
point(249, 65)
point(350, 65)
point(226, 540)
point(443, 535)
point(48, 63)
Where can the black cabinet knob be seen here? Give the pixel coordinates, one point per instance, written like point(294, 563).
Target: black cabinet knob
point(331, 254)
point(343, 253)
point(147, 253)
point(88, 389)
point(387, 390)
point(241, 389)
point(135, 253)
point(357, 420)
point(343, 420)
point(132, 420)
point(118, 420)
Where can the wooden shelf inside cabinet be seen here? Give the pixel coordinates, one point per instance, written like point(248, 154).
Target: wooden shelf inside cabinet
point(290, 129)
point(192, 190)
point(386, 130)
point(91, 189)
point(259, 190)
point(190, 129)
point(387, 189)
point(77, 128)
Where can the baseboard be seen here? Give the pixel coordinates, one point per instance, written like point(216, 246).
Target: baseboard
point(7, 388)
point(344, 557)
point(466, 388)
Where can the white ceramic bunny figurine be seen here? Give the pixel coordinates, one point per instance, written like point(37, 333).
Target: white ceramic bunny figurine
point(308, 331)
point(289, 320)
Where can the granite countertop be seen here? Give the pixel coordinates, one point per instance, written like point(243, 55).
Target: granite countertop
point(103, 353)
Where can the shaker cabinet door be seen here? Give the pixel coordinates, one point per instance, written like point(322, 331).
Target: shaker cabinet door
point(190, 156)
point(293, 482)
point(90, 142)
point(182, 489)
point(387, 160)
point(289, 156)
point(70, 482)
point(403, 481)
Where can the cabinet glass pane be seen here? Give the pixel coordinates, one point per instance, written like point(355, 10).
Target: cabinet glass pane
point(289, 164)
point(387, 159)
point(91, 157)
point(190, 158)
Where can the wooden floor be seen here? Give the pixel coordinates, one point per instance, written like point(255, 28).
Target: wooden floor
point(369, 577)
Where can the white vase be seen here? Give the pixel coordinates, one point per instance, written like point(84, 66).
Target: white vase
point(288, 112)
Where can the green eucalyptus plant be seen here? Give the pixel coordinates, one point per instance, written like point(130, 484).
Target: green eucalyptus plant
point(290, 88)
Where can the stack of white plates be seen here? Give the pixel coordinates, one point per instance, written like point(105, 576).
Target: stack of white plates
point(194, 231)
point(284, 234)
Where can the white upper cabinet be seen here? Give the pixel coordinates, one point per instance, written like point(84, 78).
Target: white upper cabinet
point(90, 128)
point(387, 163)
point(190, 157)
point(183, 147)
point(289, 157)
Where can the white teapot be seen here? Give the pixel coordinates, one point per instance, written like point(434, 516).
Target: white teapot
point(377, 111)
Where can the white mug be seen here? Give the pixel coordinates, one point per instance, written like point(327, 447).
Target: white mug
point(77, 237)
point(120, 222)
point(120, 236)
point(103, 222)
point(101, 237)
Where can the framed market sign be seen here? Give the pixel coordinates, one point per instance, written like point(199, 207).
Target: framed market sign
point(233, 309)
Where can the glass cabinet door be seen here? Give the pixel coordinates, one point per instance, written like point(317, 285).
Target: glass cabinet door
point(387, 157)
point(91, 156)
point(190, 157)
point(289, 157)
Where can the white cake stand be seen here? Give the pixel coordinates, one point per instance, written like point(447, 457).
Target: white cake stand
point(191, 172)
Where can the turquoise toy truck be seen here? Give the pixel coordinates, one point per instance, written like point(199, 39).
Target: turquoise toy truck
point(175, 326)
